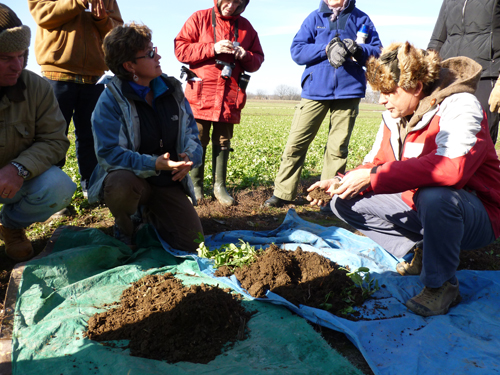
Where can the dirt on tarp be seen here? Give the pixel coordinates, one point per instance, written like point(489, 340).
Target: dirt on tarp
point(165, 320)
point(301, 277)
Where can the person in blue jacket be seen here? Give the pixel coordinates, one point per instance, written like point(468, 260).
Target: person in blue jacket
point(146, 142)
point(333, 81)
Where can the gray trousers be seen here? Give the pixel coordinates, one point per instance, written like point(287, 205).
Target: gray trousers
point(446, 221)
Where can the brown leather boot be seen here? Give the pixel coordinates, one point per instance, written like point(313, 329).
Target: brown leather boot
point(17, 245)
point(412, 268)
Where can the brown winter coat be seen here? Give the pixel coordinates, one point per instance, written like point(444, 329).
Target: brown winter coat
point(68, 39)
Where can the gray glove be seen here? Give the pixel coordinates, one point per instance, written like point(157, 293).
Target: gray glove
point(354, 49)
point(336, 52)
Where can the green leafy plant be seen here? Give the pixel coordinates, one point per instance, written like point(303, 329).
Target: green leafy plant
point(229, 255)
point(361, 277)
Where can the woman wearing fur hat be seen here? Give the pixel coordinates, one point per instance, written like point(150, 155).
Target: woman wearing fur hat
point(333, 82)
point(430, 186)
point(219, 45)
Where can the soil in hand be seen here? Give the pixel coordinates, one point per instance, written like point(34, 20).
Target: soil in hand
point(320, 194)
point(165, 320)
point(301, 277)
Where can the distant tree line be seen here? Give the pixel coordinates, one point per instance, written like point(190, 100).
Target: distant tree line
point(285, 92)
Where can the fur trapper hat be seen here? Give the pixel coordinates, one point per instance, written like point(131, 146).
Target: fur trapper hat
point(403, 65)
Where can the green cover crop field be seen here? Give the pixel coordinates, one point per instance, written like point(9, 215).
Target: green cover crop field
point(260, 139)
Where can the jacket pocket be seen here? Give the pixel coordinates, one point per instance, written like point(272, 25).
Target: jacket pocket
point(26, 132)
point(193, 92)
point(307, 78)
point(241, 99)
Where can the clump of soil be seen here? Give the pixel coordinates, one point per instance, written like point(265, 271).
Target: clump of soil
point(301, 277)
point(165, 320)
point(320, 194)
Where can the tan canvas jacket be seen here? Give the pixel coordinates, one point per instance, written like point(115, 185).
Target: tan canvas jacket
point(32, 127)
point(68, 39)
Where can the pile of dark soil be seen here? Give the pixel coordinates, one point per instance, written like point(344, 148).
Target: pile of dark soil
point(165, 320)
point(301, 277)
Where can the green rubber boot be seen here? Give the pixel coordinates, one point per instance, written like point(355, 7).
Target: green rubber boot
point(197, 175)
point(220, 156)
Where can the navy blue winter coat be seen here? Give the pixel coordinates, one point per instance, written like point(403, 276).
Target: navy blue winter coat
point(320, 80)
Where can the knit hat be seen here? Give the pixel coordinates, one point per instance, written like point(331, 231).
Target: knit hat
point(14, 36)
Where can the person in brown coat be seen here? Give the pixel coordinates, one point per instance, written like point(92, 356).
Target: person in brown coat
point(68, 47)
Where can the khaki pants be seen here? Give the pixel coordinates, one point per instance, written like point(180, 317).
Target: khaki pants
point(309, 115)
point(168, 208)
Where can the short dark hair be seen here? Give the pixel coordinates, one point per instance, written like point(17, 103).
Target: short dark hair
point(122, 44)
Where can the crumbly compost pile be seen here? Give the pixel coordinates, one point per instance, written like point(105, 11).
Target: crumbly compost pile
point(165, 320)
point(301, 277)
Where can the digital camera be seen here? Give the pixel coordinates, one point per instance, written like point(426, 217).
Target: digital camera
point(227, 69)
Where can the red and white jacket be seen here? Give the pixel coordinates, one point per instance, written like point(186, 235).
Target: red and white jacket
point(212, 97)
point(449, 145)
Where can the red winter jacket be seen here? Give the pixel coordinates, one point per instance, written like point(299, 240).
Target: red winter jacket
point(212, 97)
point(448, 144)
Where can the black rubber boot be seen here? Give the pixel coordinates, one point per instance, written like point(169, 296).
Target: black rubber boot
point(197, 175)
point(220, 156)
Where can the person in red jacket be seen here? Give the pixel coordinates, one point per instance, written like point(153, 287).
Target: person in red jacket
point(220, 46)
point(430, 186)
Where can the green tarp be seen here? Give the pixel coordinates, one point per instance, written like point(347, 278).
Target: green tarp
point(87, 269)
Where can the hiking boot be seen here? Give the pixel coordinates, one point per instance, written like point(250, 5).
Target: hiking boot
point(274, 201)
point(414, 267)
point(435, 301)
point(17, 245)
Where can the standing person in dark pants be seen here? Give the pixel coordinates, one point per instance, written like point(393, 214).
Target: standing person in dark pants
point(220, 46)
point(68, 48)
point(472, 28)
point(333, 81)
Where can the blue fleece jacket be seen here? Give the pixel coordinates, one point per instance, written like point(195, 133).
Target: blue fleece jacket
point(320, 80)
point(116, 128)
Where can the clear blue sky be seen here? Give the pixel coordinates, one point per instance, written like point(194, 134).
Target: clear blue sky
point(276, 21)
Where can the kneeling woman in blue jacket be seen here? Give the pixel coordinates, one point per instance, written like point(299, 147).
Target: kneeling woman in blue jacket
point(146, 143)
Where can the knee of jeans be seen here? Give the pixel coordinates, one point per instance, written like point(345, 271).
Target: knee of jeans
point(434, 199)
point(52, 186)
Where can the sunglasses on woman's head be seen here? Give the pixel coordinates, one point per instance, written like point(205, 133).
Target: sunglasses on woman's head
point(151, 54)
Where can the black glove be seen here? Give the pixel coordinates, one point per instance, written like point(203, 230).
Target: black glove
point(354, 49)
point(336, 52)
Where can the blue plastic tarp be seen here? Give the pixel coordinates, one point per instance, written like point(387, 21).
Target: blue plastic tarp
point(392, 339)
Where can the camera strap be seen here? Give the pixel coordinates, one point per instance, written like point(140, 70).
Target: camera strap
point(214, 23)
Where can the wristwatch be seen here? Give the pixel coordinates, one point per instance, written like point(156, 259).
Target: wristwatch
point(21, 171)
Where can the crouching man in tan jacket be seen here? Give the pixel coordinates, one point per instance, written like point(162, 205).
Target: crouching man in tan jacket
point(32, 140)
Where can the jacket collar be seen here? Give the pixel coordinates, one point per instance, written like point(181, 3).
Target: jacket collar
point(323, 8)
point(14, 93)
point(457, 75)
